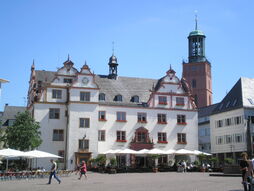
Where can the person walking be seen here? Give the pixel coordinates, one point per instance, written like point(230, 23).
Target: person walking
point(53, 172)
point(184, 166)
point(244, 167)
point(83, 170)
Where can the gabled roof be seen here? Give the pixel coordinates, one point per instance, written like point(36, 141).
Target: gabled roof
point(10, 112)
point(125, 86)
point(241, 95)
point(44, 76)
point(206, 111)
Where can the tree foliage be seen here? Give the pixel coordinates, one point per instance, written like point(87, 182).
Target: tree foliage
point(24, 134)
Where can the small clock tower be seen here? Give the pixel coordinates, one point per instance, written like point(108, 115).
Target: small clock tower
point(197, 71)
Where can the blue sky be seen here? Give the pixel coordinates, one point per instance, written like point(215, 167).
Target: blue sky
point(148, 35)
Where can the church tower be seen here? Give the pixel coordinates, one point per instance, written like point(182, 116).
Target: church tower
point(197, 71)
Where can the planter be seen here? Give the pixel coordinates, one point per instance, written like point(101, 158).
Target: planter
point(112, 171)
point(231, 169)
point(155, 170)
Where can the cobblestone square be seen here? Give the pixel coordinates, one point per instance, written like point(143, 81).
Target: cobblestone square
point(169, 181)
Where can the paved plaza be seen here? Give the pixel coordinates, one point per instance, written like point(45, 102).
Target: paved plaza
point(169, 181)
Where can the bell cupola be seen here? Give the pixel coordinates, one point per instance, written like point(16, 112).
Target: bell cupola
point(112, 67)
point(196, 45)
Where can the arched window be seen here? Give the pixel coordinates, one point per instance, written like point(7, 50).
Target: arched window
point(135, 99)
point(102, 97)
point(118, 98)
point(194, 83)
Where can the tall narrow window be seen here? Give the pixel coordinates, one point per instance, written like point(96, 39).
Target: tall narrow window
point(102, 97)
point(102, 115)
point(61, 154)
point(101, 135)
point(194, 83)
point(84, 96)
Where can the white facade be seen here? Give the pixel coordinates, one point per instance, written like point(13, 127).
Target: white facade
point(78, 105)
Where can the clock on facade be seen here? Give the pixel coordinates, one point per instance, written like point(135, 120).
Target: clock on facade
point(85, 80)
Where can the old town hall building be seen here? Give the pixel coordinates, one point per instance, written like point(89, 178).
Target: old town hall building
point(82, 114)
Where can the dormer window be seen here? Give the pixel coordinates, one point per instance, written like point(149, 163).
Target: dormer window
point(102, 97)
point(135, 99)
point(118, 98)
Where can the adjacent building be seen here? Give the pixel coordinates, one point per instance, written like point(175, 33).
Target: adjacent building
point(82, 114)
point(232, 122)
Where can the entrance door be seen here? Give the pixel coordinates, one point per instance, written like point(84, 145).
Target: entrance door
point(83, 157)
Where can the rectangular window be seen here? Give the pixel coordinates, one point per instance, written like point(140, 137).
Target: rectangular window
point(219, 123)
point(84, 96)
point(56, 94)
point(102, 115)
point(181, 119)
point(84, 122)
point(181, 138)
point(228, 139)
point(61, 154)
point(219, 140)
point(121, 116)
point(58, 135)
point(228, 122)
point(162, 137)
point(101, 135)
point(54, 113)
point(142, 137)
point(179, 101)
point(238, 120)
point(67, 80)
point(83, 144)
point(120, 136)
point(163, 100)
point(162, 118)
point(238, 138)
point(142, 117)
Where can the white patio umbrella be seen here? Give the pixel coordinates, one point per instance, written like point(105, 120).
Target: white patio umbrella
point(127, 151)
point(111, 151)
point(156, 152)
point(11, 153)
point(184, 152)
point(142, 152)
point(170, 151)
point(41, 154)
point(200, 152)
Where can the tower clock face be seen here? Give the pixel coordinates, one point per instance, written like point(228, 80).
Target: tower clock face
point(85, 80)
